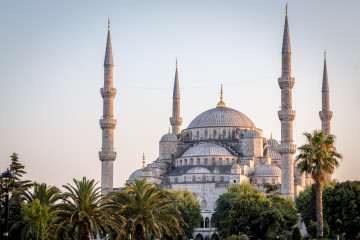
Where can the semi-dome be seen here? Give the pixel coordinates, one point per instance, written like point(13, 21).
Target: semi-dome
point(221, 117)
point(252, 134)
point(272, 142)
point(169, 137)
point(267, 170)
point(273, 152)
point(137, 174)
point(207, 149)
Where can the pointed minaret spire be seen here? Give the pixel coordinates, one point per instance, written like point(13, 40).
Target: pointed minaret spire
point(176, 120)
point(325, 114)
point(287, 148)
point(108, 53)
point(143, 161)
point(107, 154)
point(221, 103)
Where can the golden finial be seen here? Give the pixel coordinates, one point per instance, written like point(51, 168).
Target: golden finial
point(108, 23)
point(286, 9)
point(271, 136)
point(325, 54)
point(169, 131)
point(176, 63)
point(221, 103)
point(267, 153)
point(143, 166)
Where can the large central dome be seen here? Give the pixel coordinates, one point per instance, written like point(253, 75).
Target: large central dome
point(221, 117)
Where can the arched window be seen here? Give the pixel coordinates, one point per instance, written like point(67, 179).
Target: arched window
point(205, 161)
point(224, 134)
point(192, 161)
point(273, 181)
point(263, 181)
point(227, 161)
point(187, 138)
point(220, 160)
point(212, 223)
point(215, 134)
point(204, 178)
point(206, 134)
point(194, 178)
point(198, 161)
point(185, 162)
point(222, 179)
point(213, 178)
point(207, 225)
point(197, 135)
point(176, 179)
point(213, 161)
point(180, 162)
point(184, 178)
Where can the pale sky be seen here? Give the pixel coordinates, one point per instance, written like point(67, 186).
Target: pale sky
point(51, 70)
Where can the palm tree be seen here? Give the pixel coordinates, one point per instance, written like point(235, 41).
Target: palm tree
point(151, 210)
point(84, 212)
point(318, 157)
point(47, 195)
point(39, 212)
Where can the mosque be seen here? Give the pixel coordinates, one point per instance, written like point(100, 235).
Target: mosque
point(220, 147)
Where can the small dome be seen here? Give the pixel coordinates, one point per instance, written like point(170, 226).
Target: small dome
point(207, 149)
point(252, 134)
point(221, 117)
point(272, 142)
point(169, 137)
point(267, 170)
point(273, 152)
point(137, 174)
point(198, 170)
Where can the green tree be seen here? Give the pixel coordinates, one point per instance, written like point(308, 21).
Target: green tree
point(318, 157)
point(151, 209)
point(244, 206)
point(84, 212)
point(39, 212)
point(270, 188)
point(17, 188)
point(189, 208)
point(237, 237)
point(296, 234)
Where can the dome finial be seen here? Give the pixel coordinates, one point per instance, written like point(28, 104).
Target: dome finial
point(286, 8)
point(271, 136)
point(143, 162)
point(108, 23)
point(176, 62)
point(325, 53)
point(221, 103)
point(169, 131)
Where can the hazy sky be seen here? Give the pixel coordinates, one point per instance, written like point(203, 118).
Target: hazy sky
point(51, 70)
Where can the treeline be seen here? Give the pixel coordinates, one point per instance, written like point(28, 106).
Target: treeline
point(139, 210)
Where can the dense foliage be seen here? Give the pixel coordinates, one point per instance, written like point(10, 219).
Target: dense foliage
point(340, 201)
point(243, 209)
point(189, 208)
point(296, 234)
point(317, 158)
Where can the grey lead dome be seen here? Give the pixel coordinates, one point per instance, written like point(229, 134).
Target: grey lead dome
point(207, 149)
point(221, 117)
point(267, 170)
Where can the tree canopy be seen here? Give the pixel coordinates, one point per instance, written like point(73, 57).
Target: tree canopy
point(243, 206)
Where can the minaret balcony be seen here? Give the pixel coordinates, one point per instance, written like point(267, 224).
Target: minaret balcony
point(286, 82)
point(176, 121)
point(107, 155)
point(325, 115)
point(108, 92)
point(107, 123)
point(287, 115)
point(287, 148)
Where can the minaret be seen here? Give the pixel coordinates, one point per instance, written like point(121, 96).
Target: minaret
point(107, 154)
point(325, 114)
point(176, 120)
point(287, 147)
